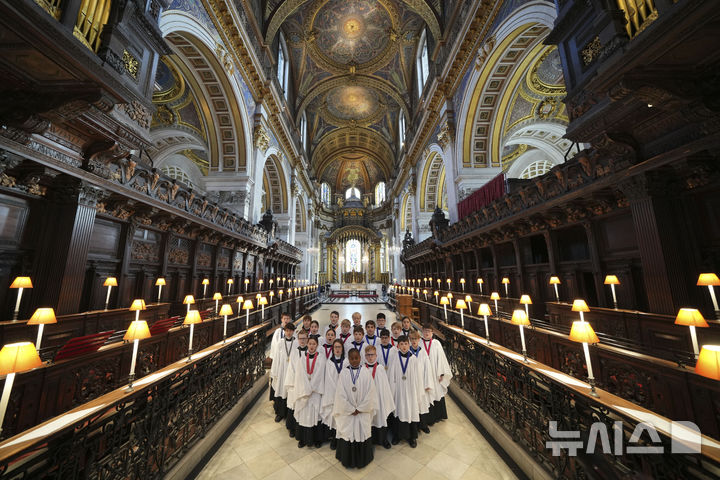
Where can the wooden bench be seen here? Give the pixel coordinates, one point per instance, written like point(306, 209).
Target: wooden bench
point(82, 345)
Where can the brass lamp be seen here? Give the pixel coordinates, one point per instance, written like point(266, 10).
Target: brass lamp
point(445, 301)
point(14, 358)
point(506, 281)
point(205, 283)
point(480, 285)
point(21, 283)
point(612, 280)
point(555, 281)
point(462, 283)
point(280, 292)
point(710, 280)
point(217, 296)
point(160, 282)
point(579, 305)
point(525, 300)
point(271, 294)
point(495, 296)
point(484, 310)
point(192, 317)
point(225, 310)
point(708, 362)
point(188, 300)
point(135, 332)
point(42, 317)
point(468, 300)
point(425, 293)
point(247, 306)
point(137, 305)
point(691, 317)
point(461, 305)
point(582, 332)
point(262, 301)
point(436, 294)
point(109, 283)
point(521, 319)
point(230, 283)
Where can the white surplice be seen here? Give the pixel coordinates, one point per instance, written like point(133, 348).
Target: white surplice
point(284, 352)
point(359, 347)
point(296, 358)
point(409, 394)
point(308, 385)
point(278, 335)
point(439, 366)
point(383, 354)
point(349, 427)
point(385, 400)
point(331, 378)
point(427, 378)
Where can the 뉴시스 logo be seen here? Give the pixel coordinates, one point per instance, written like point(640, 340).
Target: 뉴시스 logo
point(685, 437)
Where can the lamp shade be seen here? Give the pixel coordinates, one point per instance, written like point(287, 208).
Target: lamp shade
point(519, 318)
point(137, 330)
point(281, 291)
point(193, 316)
point(461, 305)
point(18, 357)
point(450, 295)
point(110, 282)
point(42, 316)
point(505, 280)
point(217, 296)
point(257, 296)
point(444, 301)
point(613, 280)
point(248, 305)
point(579, 305)
point(424, 291)
point(582, 332)
point(689, 317)
point(484, 309)
point(230, 281)
point(247, 280)
point(436, 293)
point(554, 281)
point(468, 298)
point(262, 301)
point(708, 362)
point(240, 299)
point(188, 300)
point(462, 280)
point(704, 280)
point(525, 300)
point(226, 309)
point(138, 304)
point(479, 281)
point(494, 296)
point(160, 282)
point(24, 282)
point(206, 281)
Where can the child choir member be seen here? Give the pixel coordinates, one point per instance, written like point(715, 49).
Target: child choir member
point(294, 364)
point(284, 351)
point(308, 385)
point(306, 321)
point(328, 344)
point(380, 321)
point(334, 322)
point(385, 401)
point(315, 330)
point(358, 342)
point(277, 340)
point(406, 326)
point(333, 367)
point(356, 319)
point(353, 409)
point(408, 389)
point(386, 350)
point(345, 332)
point(370, 336)
point(396, 328)
point(427, 380)
point(441, 373)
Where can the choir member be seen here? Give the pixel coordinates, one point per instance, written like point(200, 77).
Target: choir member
point(441, 373)
point(306, 321)
point(408, 390)
point(353, 410)
point(329, 340)
point(385, 401)
point(396, 328)
point(276, 341)
point(427, 380)
point(315, 330)
point(406, 325)
point(356, 319)
point(280, 364)
point(358, 342)
point(380, 321)
point(386, 350)
point(295, 362)
point(370, 337)
point(308, 385)
point(333, 368)
point(334, 322)
point(345, 332)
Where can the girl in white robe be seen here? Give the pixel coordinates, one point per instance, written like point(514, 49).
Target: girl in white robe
point(281, 361)
point(427, 379)
point(385, 401)
point(308, 385)
point(408, 390)
point(353, 410)
point(333, 367)
point(327, 347)
point(295, 359)
point(442, 374)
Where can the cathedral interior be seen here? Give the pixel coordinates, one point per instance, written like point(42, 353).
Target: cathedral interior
point(454, 161)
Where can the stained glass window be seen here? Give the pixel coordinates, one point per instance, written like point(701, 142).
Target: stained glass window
point(325, 194)
point(352, 256)
point(379, 193)
point(352, 192)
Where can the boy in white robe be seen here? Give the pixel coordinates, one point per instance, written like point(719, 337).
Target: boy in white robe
point(427, 379)
point(353, 410)
point(334, 322)
point(308, 385)
point(396, 329)
point(278, 369)
point(345, 332)
point(386, 349)
point(385, 401)
point(295, 359)
point(370, 334)
point(358, 342)
point(333, 367)
point(408, 390)
point(380, 321)
point(328, 345)
point(306, 321)
point(406, 325)
point(276, 340)
point(442, 374)
point(356, 320)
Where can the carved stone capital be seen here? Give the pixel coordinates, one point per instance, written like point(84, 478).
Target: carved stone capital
point(261, 138)
point(446, 135)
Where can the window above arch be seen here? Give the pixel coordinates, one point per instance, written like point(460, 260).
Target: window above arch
point(325, 194)
point(422, 62)
point(537, 168)
point(352, 192)
point(379, 193)
point(283, 67)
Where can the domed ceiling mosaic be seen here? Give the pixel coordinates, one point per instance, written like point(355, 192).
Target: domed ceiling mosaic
point(352, 68)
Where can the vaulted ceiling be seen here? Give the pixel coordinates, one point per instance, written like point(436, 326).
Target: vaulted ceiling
point(352, 68)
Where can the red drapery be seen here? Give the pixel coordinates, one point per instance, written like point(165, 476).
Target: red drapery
point(489, 192)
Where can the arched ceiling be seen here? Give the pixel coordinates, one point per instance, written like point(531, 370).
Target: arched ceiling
point(352, 65)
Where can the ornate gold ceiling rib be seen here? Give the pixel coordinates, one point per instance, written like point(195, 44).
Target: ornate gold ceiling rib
point(355, 140)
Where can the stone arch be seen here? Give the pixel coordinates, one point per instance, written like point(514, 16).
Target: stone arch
point(300, 215)
point(432, 182)
point(274, 184)
point(406, 214)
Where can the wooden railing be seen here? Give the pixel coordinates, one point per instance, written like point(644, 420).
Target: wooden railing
point(644, 379)
point(141, 434)
point(55, 388)
point(523, 398)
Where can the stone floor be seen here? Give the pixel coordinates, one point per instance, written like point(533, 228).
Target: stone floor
point(259, 448)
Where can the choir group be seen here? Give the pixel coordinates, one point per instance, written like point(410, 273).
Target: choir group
point(357, 386)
